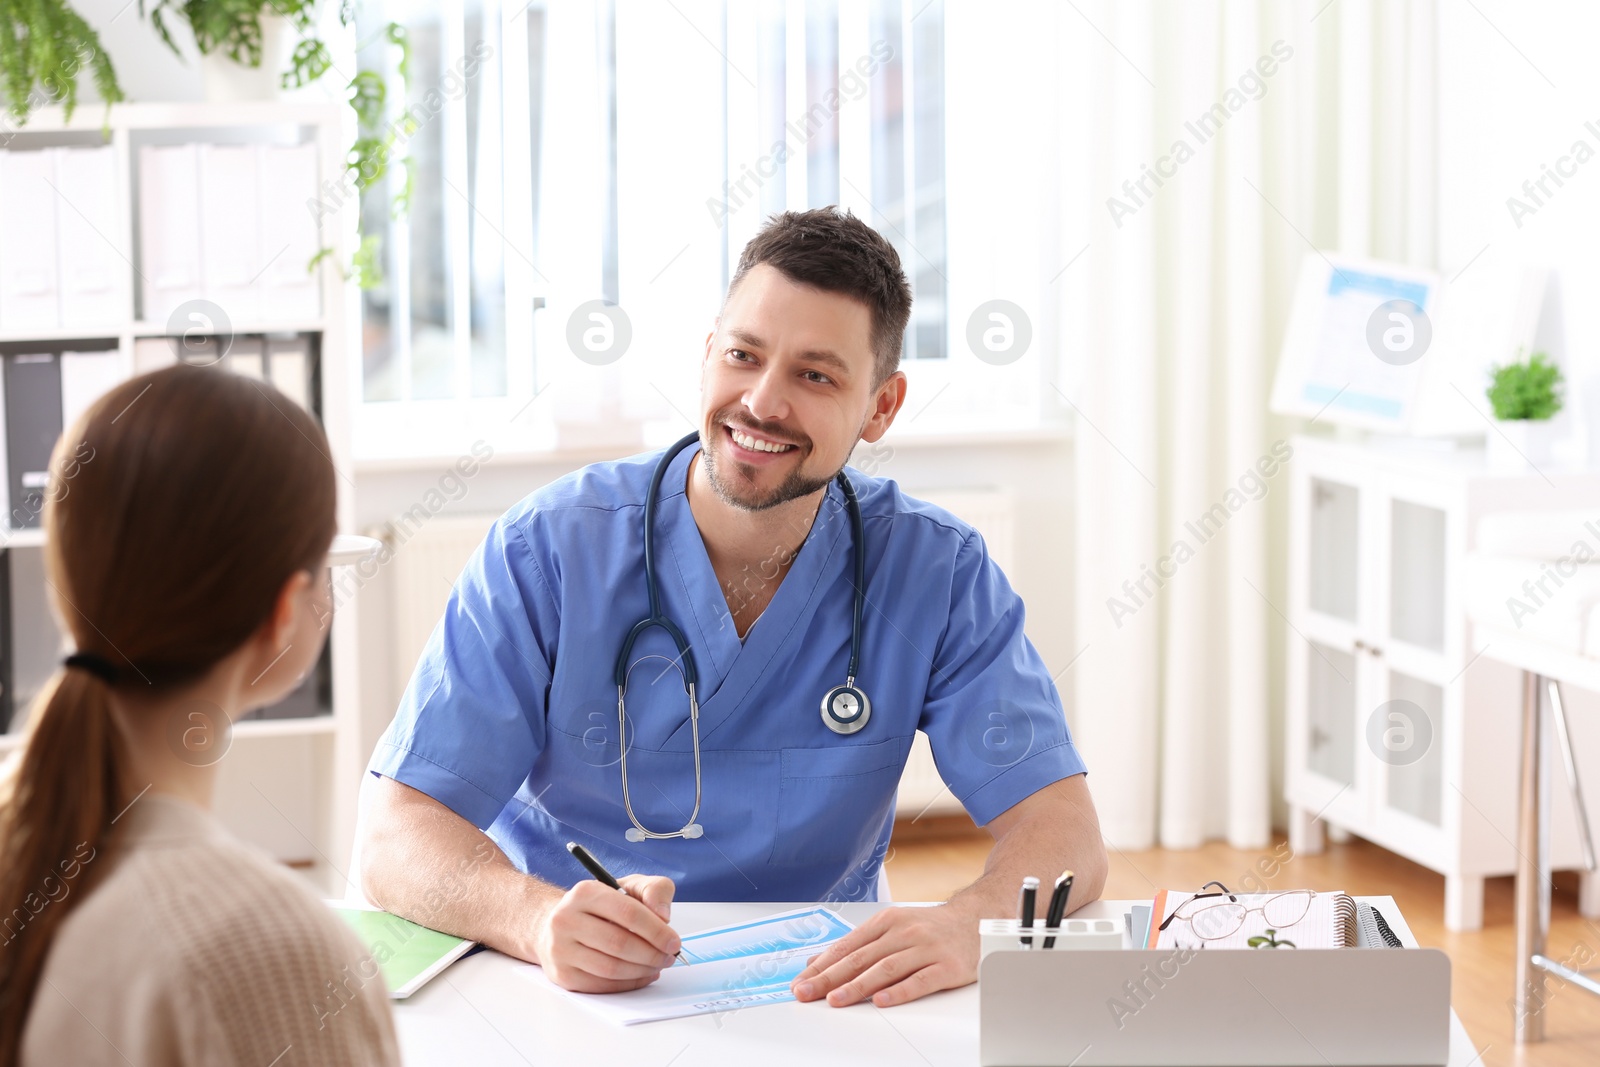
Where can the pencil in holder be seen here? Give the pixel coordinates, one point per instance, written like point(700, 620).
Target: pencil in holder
point(995, 935)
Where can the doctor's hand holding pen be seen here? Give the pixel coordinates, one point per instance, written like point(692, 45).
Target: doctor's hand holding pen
point(596, 939)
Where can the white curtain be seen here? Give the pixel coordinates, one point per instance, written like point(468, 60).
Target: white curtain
point(1172, 316)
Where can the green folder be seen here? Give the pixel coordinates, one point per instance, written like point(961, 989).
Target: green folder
point(408, 955)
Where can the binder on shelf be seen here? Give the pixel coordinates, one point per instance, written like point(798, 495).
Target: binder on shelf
point(152, 353)
point(33, 422)
point(245, 357)
point(93, 266)
point(289, 291)
point(231, 225)
point(169, 228)
point(28, 268)
point(289, 367)
point(85, 377)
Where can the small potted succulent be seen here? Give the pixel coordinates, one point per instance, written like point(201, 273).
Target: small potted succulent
point(1525, 396)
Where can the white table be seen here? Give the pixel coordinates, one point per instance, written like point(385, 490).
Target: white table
point(482, 1011)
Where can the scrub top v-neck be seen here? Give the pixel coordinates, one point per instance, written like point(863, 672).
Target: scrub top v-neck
point(510, 718)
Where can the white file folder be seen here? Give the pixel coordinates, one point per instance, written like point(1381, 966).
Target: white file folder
point(152, 354)
point(289, 292)
point(289, 368)
point(231, 224)
point(85, 377)
point(28, 294)
point(93, 268)
point(169, 228)
point(245, 358)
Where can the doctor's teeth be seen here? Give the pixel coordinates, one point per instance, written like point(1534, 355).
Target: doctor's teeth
point(757, 445)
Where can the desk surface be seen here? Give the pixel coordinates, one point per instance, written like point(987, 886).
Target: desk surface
point(485, 1010)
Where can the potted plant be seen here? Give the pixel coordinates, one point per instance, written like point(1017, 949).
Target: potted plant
point(1525, 396)
point(249, 49)
point(44, 46)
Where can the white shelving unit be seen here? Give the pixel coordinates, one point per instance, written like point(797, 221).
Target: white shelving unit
point(1378, 533)
point(328, 758)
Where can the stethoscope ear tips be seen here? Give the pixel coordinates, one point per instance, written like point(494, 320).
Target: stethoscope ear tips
point(693, 830)
point(634, 834)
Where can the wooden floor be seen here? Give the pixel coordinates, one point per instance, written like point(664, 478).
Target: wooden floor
point(930, 863)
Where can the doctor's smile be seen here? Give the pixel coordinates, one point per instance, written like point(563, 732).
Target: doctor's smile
point(761, 759)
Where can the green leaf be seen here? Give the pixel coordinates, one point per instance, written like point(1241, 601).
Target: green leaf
point(401, 39)
point(1532, 390)
point(367, 97)
point(44, 47)
point(310, 61)
point(367, 263)
point(368, 161)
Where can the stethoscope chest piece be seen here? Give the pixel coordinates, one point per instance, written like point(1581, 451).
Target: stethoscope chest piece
point(846, 709)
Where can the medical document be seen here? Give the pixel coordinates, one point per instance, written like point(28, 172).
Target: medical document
point(731, 967)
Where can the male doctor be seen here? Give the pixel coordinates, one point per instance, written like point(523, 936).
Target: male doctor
point(510, 725)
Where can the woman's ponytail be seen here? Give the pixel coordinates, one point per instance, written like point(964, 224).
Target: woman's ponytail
point(56, 807)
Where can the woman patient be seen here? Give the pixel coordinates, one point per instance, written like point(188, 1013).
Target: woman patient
point(188, 518)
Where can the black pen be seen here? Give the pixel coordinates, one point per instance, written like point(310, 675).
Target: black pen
point(601, 875)
point(1058, 907)
point(1030, 890)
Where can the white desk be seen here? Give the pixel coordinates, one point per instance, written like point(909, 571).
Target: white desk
point(483, 1012)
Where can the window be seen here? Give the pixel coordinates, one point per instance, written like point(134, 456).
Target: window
point(677, 129)
point(440, 323)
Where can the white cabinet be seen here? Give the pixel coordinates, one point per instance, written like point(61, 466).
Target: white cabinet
point(1396, 731)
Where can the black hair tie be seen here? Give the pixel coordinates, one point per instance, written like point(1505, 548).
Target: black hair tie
point(98, 666)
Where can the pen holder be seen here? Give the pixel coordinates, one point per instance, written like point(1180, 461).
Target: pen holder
point(997, 935)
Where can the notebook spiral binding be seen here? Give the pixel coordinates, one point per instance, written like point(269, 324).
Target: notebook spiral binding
point(1346, 931)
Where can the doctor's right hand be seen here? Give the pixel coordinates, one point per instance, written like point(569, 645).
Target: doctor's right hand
point(597, 940)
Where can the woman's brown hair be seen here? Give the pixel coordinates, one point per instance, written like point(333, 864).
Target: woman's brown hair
point(178, 506)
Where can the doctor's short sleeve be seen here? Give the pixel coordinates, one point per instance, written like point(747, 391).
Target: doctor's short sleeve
point(993, 715)
point(472, 720)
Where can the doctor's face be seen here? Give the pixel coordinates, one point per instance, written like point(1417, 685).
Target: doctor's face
point(787, 390)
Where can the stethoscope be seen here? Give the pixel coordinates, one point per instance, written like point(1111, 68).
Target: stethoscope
point(845, 708)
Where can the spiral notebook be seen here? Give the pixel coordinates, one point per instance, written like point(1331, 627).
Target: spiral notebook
point(1331, 921)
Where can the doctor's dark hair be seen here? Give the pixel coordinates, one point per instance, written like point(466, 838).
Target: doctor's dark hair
point(178, 506)
point(838, 253)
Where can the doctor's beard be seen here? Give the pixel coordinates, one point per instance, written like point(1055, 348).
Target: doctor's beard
point(737, 493)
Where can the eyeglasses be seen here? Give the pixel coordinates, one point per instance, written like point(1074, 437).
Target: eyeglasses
point(1212, 920)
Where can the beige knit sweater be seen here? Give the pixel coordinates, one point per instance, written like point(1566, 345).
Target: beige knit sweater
point(195, 949)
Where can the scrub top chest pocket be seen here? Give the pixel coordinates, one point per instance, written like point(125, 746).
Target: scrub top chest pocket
point(833, 801)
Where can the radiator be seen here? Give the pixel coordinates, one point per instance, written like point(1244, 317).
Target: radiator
point(428, 560)
point(426, 563)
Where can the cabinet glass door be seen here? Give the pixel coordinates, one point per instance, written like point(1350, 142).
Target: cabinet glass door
point(1409, 739)
point(1330, 713)
point(1335, 515)
point(1416, 574)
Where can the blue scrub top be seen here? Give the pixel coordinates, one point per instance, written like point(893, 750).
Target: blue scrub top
point(510, 719)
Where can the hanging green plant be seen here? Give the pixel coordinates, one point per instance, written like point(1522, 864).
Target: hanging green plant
point(44, 46)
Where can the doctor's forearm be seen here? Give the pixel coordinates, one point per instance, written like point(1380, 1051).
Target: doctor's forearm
point(422, 861)
point(1053, 831)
